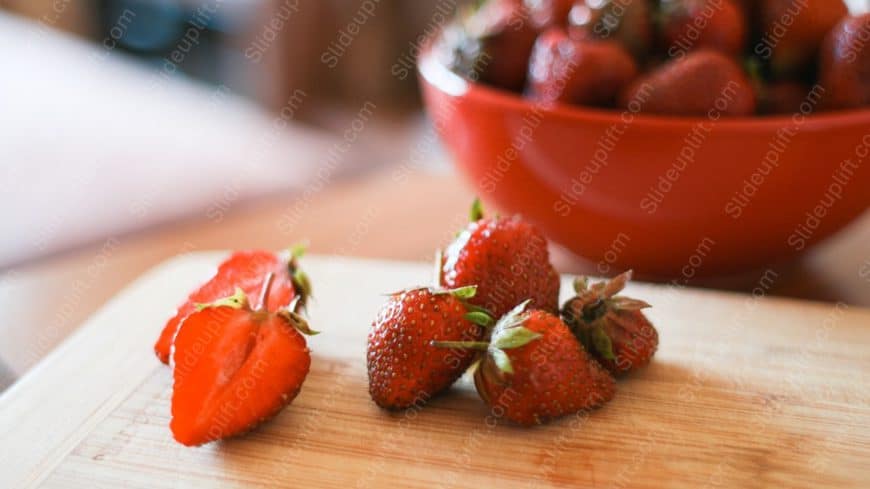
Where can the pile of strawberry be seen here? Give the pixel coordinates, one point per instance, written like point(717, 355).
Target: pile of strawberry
point(238, 354)
point(676, 57)
point(496, 310)
point(235, 347)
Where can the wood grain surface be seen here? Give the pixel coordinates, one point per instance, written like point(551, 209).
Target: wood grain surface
point(746, 391)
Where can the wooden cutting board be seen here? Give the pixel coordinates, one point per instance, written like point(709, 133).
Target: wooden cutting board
point(744, 392)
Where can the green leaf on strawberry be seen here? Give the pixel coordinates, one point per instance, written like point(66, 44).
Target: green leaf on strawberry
point(237, 301)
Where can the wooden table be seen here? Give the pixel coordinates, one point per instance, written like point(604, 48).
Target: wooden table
point(374, 216)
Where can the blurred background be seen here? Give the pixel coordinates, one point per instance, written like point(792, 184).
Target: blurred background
point(260, 49)
point(136, 130)
point(178, 88)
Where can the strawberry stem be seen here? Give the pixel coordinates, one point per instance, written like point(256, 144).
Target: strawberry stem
point(237, 301)
point(439, 261)
point(616, 284)
point(462, 293)
point(264, 292)
point(297, 321)
point(479, 318)
point(470, 345)
point(298, 277)
point(303, 285)
point(476, 212)
point(297, 250)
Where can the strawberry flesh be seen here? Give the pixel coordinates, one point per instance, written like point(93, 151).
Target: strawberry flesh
point(234, 368)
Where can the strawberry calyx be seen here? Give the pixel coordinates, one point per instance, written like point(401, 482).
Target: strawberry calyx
point(475, 314)
point(462, 293)
point(754, 70)
point(297, 321)
point(476, 212)
point(587, 312)
point(239, 300)
point(236, 301)
point(298, 277)
point(507, 333)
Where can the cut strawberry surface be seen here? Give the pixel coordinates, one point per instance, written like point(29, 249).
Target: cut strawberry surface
point(234, 368)
point(245, 270)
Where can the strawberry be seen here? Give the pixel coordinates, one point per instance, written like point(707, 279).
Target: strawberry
point(506, 258)
point(793, 31)
point(611, 327)
point(749, 8)
point(404, 369)
point(564, 70)
point(687, 25)
point(702, 81)
point(844, 69)
point(506, 36)
point(245, 270)
point(628, 22)
point(235, 367)
point(535, 370)
point(547, 13)
point(782, 97)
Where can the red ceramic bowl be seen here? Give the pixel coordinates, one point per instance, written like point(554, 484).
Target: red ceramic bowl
point(670, 197)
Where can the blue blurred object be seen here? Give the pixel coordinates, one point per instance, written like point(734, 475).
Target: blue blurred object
point(152, 29)
point(156, 24)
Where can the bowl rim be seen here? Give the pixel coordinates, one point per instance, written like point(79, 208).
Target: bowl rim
point(436, 74)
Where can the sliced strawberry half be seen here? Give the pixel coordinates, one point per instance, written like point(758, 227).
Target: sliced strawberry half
point(235, 368)
point(245, 270)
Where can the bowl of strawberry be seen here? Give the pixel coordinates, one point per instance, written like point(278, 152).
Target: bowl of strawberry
point(738, 126)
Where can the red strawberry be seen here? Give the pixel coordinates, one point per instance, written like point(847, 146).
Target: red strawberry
point(628, 22)
point(535, 370)
point(611, 327)
point(793, 31)
point(562, 69)
point(235, 367)
point(506, 258)
point(749, 8)
point(702, 81)
point(546, 13)
point(782, 97)
point(506, 37)
point(845, 64)
point(245, 270)
point(687, 25)
point(404, 368)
